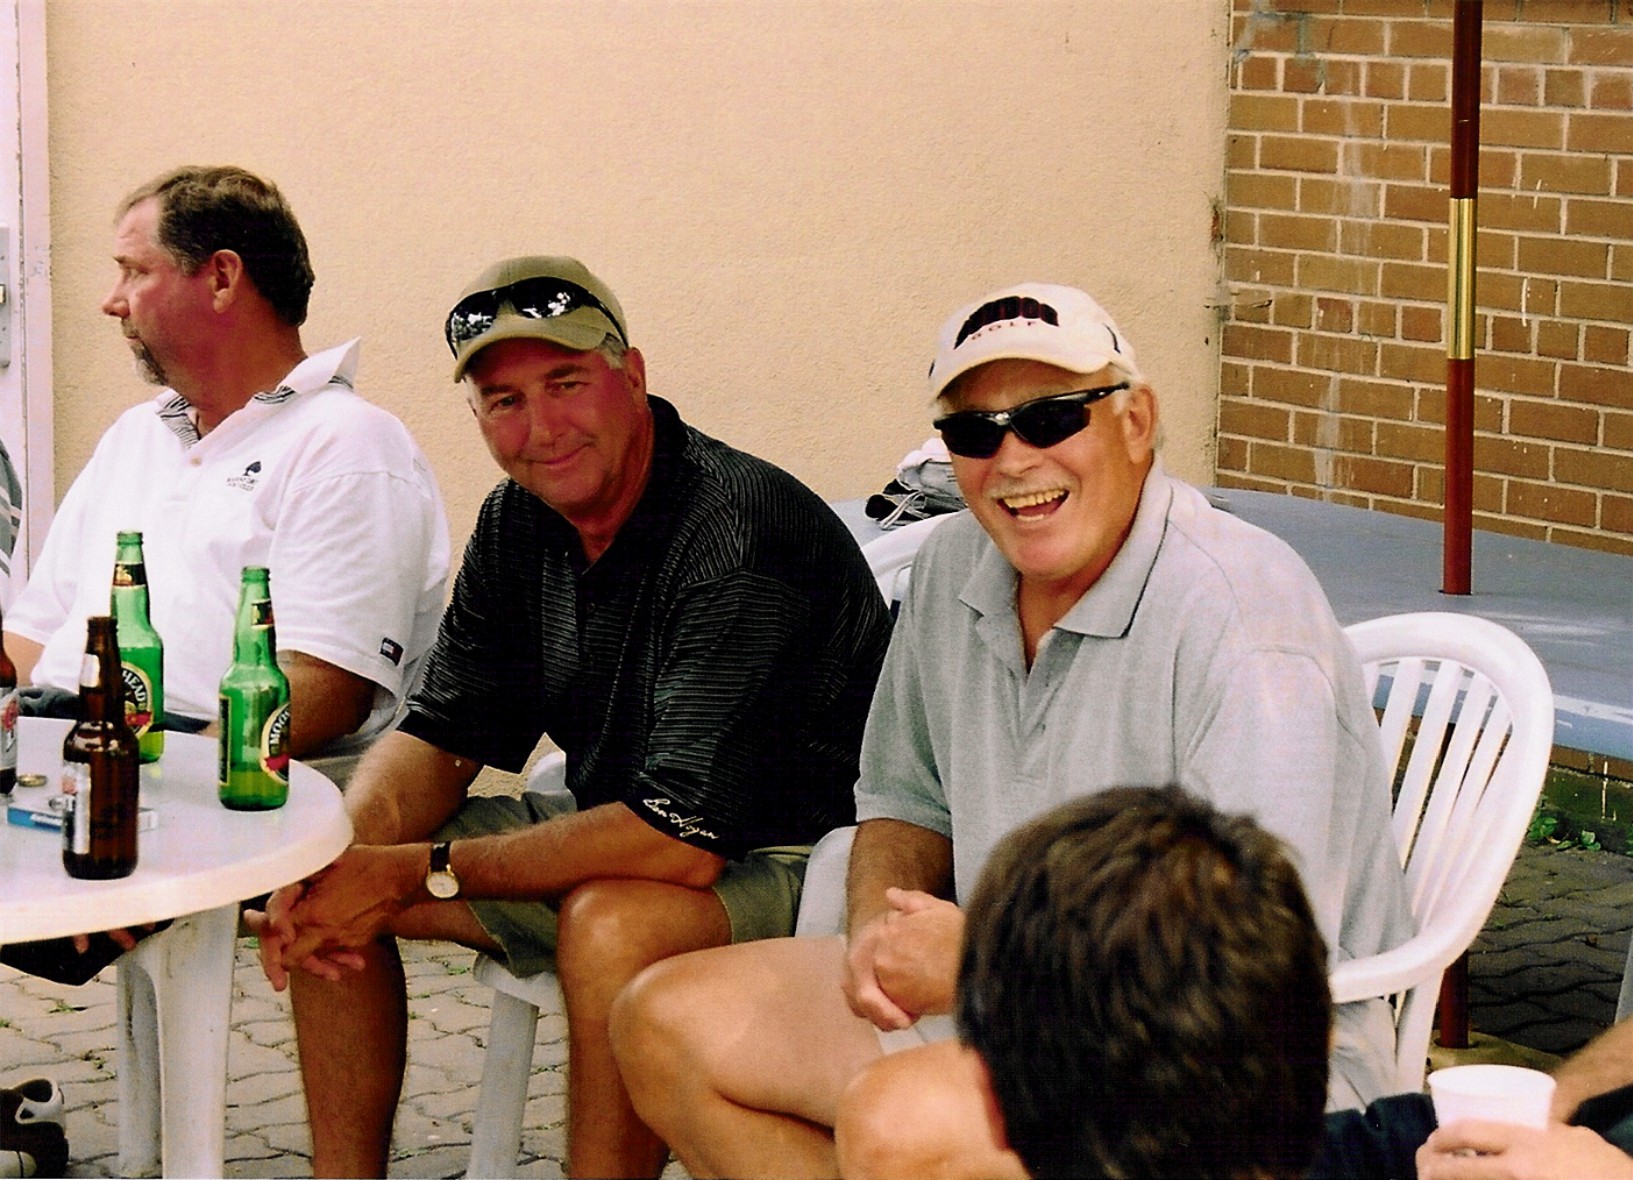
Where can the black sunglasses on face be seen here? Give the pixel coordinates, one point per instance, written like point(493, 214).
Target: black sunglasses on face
point(534, 299)
point(1041, 422)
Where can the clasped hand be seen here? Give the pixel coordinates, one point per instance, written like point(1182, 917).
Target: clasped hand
point(903, 964)
point(319, 924)
point(1476, 1150)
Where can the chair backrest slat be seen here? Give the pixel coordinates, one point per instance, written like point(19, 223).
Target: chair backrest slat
point(1414, 822)
point(1452, 799)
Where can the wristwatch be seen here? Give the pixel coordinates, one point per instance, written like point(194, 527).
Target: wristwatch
point(440, 880)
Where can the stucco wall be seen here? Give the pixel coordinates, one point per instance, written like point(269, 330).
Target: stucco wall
point(788, 195)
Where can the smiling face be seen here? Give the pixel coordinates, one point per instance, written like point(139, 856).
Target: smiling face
point(1059, 514)
point(568, 427)
point(160, 308)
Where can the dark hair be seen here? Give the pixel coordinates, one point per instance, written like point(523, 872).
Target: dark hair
point(202, 210)
point(1146, 984)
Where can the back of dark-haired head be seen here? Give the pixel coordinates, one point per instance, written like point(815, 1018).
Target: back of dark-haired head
point(1144, 979)
point(202, 210)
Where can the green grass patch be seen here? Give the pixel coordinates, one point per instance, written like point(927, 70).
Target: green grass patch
point(1580, 810)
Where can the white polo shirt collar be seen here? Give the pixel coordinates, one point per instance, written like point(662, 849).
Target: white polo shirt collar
point(333, 366)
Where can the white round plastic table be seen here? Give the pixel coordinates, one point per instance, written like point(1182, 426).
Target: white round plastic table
point(175, 988)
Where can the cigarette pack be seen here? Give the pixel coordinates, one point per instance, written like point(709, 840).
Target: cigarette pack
point(45, 811)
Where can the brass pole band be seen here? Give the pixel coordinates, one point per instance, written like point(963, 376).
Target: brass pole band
point(1460, 281)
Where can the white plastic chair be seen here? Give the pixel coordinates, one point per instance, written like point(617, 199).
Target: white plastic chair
point(1485, 725)
point(496, 1126)
point(496, 1132)
point(822, 898)
point(890, 555)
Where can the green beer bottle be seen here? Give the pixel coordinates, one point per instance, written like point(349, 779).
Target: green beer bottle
point(141, 652)
point(254, 706)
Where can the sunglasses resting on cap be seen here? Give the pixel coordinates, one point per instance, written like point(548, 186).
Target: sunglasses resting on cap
point(1041, 422)
point(533, 299)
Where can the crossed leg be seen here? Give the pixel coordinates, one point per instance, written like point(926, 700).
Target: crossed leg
point(353, 1032)
point(610, 932)
point(743, 1058)
point(737, 1057)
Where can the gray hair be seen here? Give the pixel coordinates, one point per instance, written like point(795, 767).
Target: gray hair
point(613, 349)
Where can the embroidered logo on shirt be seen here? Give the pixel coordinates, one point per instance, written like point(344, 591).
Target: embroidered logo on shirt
point(392, 650)
point(685, 825)
point(247, 481)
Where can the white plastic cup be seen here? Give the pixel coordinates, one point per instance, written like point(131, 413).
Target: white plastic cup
point(1494, 1093)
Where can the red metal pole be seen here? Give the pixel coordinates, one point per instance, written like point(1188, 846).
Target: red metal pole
point(1459, 518)
point(1465, 185)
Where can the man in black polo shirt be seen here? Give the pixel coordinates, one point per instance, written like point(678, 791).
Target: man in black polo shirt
point(690, 624)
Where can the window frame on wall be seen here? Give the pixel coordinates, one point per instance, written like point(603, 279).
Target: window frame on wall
point(25, 235)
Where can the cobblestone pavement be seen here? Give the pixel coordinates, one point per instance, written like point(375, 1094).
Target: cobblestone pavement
point(67, 1033)
point(1544, 976)
point(1546, 971)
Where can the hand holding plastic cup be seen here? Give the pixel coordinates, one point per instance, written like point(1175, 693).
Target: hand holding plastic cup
point(1493, 1093)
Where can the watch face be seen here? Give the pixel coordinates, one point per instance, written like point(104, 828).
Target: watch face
point(442, 885)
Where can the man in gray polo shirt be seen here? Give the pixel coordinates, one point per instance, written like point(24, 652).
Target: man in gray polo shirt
point(1092, 623)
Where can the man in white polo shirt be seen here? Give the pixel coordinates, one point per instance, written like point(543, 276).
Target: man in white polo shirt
point(253, 453)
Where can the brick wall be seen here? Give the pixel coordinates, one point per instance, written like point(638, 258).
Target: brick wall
point(1334, 239)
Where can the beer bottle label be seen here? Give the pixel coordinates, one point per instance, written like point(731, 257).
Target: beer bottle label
point(138, 698)
point(8, 730)
point(76, 829)
point(129, 573)
point(261, 614)
point(275, 744)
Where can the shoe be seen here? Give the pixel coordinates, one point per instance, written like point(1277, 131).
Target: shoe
point(57, 960)
point(32, 1141)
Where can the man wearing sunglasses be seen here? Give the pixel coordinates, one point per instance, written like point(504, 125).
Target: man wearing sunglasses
point(698, 632)
point(1091, 623)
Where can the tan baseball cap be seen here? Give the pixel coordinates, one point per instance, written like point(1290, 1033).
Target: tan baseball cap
point(536, 296)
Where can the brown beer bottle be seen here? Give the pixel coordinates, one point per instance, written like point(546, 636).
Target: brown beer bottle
point(100, 774)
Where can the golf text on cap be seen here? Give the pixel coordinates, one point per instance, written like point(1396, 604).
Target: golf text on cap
point(1011, 307)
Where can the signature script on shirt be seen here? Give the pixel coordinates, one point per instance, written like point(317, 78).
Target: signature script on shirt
point(685, 825)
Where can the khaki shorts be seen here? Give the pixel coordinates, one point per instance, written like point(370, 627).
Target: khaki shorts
point(761, 892)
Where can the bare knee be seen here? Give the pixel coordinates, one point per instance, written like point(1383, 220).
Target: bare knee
point(637, 1025)
point(601, 940)
point(638, 1011)
point(700, 1024)
point(876, 1132)
point(919, 1114)
point(651, 1038)
point(587, 927)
